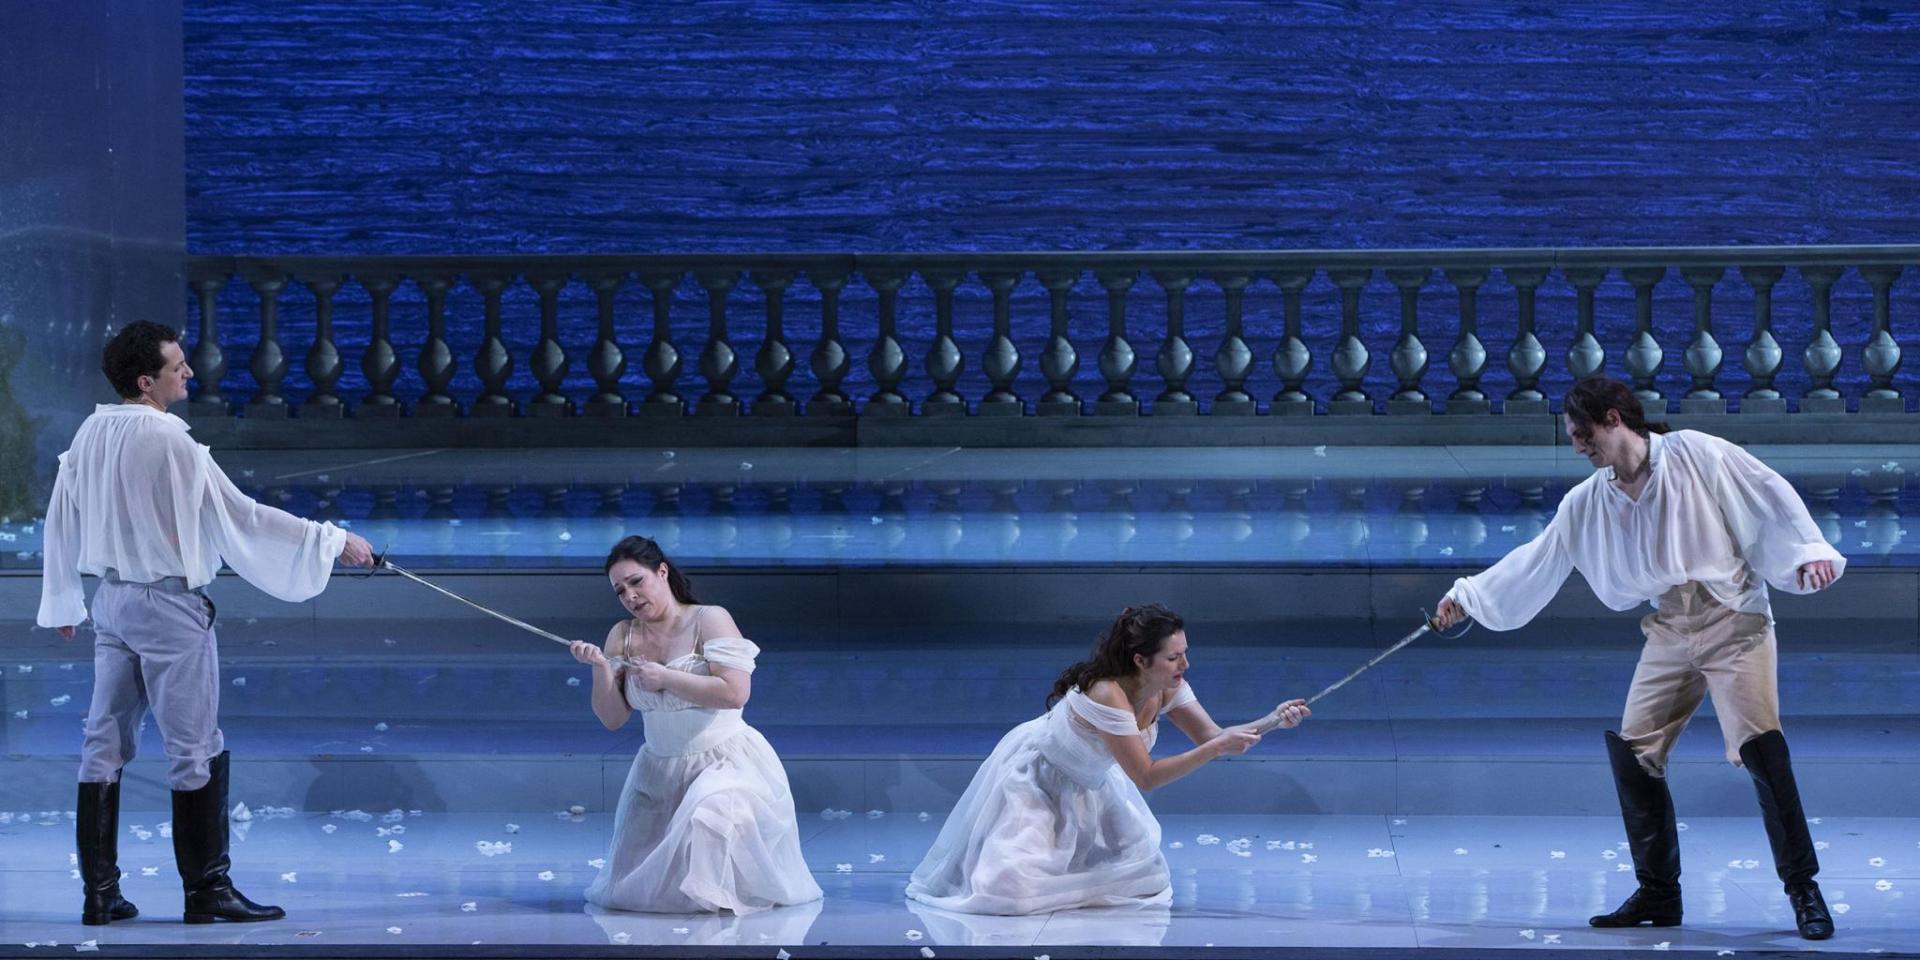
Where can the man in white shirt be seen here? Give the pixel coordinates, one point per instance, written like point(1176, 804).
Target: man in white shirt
point(1699, 528)
point(143, 507)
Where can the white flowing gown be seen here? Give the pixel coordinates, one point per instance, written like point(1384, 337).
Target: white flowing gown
point(706, 819)
point(1051, 822)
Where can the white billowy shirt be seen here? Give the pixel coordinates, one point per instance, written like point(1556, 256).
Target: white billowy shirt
point(136, 495)
point(1710, 512)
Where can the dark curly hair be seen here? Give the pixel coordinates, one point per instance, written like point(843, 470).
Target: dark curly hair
point(1138, 631)
point(133, 353)
point(1590, 399)
point(645, 552)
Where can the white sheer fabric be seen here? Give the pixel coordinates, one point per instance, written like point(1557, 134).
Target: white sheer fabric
point(1051, 822)
point(706, 820)
point(1710, 513)
point(136, 495)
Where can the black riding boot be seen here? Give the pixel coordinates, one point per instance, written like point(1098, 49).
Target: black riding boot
point(97, 834)
point(1652, 836)
point(1766, 759)
point(200, 850)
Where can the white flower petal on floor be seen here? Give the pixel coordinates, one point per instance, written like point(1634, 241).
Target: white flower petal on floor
point(914, 935)
point(393, 816)
point(1623, 868)
point(1842, 907)
point(513, 828)
point(622, 937)
point(782, 954)
point(925, 816)
point(1528, 934)
point(469, 907)
point(149, 871)
point(1749, 864)
point(926, 952)
point(1681, 826)
point(239, 681)
point(1549, 938)
point(1176, 845)
point(873, 858)
point(1883, 885)
point(20, 714)
point(1556, 854)
point(1309, 858)
point(1320, 451)
point(1400, 821)
point(1459, 851)
point(395, 846)
point(578, 810)
point(328, 828)
point(1876, 861)
point(143, 835)
point(573, 681)
point(410, 894)
point(1819, 844)
point(493, 848)
point(545, 874)
point(597, 862)
point(87, 946)
point(843, 868)
point(1608, 855)
point(291, 876)
point(61, 700)
point(368, 748)
point(1206, 839)
point(1663, 945)
point(683, 931)
point(394, 930)
point(875, 814)
point(1723, 953)
point(380, 727)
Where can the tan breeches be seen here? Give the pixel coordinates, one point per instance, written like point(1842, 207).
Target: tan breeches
point(1698, 648)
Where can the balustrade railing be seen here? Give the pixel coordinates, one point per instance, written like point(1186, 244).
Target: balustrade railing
point(1489, 353)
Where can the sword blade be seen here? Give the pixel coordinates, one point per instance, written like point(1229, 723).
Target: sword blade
point(1424, 629)
point(423, 581)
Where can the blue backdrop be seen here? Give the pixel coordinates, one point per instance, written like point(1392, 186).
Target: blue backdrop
point(438, 126)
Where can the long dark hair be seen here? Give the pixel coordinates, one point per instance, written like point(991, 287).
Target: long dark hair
point(647, 553)
point(1590, 399)
point(1137, 631)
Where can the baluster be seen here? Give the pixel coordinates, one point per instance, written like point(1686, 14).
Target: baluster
point(323, 358)
point(1823, 354)
point(718, 362)
point(1175, 360)
point(661, 363)
point(1585, 357)
point(1526, 359)
point(1351, 361)
point(944, 360)
point(436, 356)
point(888, 361)
point(1882, 356)
point(1117, 357)
point(1291, 359)
point(1468, 358)
point(269, 364)
point(1763, 356)
point(607, 363)
point(1703, 356)
point(1060, 362)
point(1002, 361)
point(549, 357)
point(830, 359)
point(1234, 359)
point(208, 361)
point(774, 360)
point(1644, 354)
point(494, 363)
point(380, 363)
point(1409, 358)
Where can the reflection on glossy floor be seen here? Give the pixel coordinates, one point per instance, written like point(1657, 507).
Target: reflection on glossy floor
point(1248, 881)
point(1349, 506)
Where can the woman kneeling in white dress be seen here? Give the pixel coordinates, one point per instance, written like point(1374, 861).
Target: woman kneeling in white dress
point(1055, 819)
point(706, 820)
